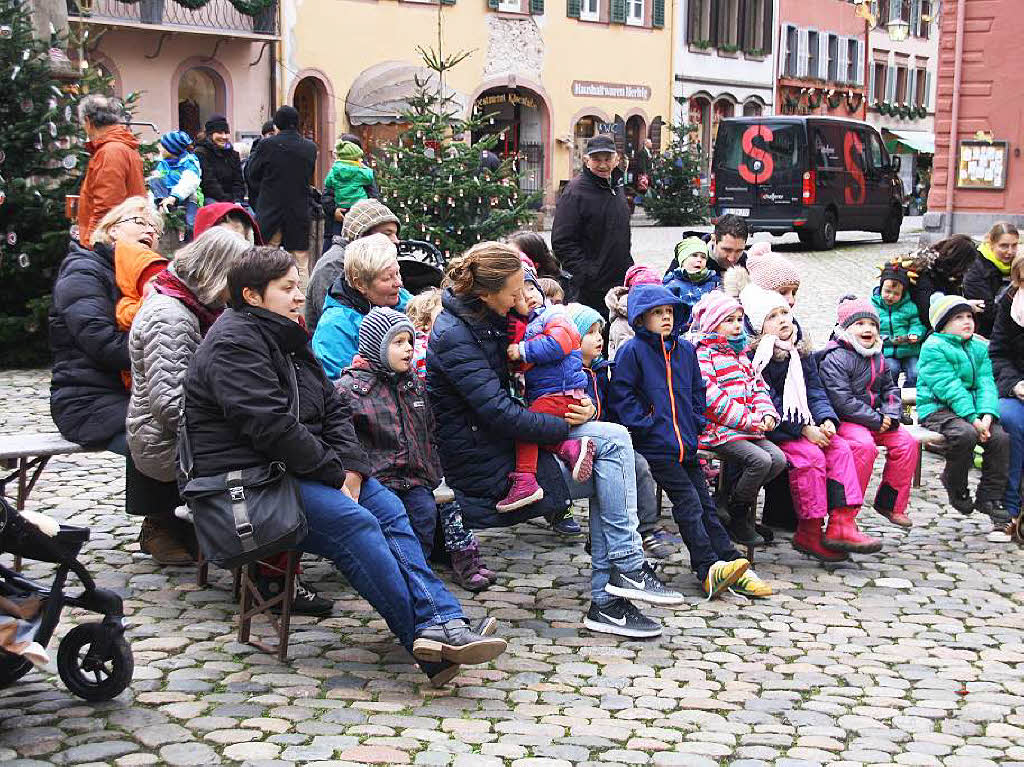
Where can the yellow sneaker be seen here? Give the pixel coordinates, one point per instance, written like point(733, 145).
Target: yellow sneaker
point(749, 585)
point(722, 575)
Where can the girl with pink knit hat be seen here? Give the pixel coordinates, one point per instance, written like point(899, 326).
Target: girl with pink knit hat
point(617, 301)
point(773, 271)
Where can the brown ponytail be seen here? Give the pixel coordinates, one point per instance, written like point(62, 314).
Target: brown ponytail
point(483, 269)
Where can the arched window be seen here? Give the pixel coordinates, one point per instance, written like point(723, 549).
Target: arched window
point(201, 93)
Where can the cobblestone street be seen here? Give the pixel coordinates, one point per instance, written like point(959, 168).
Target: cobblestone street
point(911, 656)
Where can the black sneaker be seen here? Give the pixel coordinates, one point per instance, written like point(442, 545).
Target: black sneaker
point(643, 585)
point(305, 602)
point(995, 510)
point(961, 501)
point(621, 618)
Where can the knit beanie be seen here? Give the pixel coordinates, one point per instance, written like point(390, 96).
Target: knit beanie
point(941, 307)
point(584, 317)
point(712, 309)
point(852, 309)
point(895, 271)
point(758, 303)
point(770, 270)
point(531, 276)
point(175, 142)
point(217, 124)
point(376, 333)
point(348, 150)
point(363, 216)
point(641, 275)
point(689, 246)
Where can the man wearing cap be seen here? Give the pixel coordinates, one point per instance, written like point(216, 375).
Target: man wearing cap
point(222, 167)
point(591, 235)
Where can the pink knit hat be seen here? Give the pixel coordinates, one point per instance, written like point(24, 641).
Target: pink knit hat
point(641, 275)
point(852, 309)
point(712, 309)
point(769, 270)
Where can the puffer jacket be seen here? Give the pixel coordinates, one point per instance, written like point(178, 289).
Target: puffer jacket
point(239, 402)
point(859, 387)
point(737, 397)
point(656, 390)
point(818, 403)
point(347, 180)
point(551, 351)
point(1006, 349)
point(88, 400)
point(394, 424)
point(619, 330)
point(957, 375)
point(478, 421)
point(599, 388)
point(114, 174)
point(336, 339)
point(899, 319)
point(691, 292)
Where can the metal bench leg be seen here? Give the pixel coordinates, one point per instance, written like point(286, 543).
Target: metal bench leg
point(202, 571)
point(917, 468)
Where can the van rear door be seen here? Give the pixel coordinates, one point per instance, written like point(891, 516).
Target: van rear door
point(735, 181)
point(759, 168)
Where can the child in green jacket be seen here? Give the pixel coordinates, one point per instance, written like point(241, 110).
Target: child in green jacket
point(901, 328)
point(957, 396)
point(348, 177)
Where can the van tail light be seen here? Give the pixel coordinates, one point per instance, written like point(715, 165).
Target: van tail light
point(809, 188)
point(712, 196)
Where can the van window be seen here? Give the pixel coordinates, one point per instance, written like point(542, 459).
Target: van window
point(784, 147)
point(875, 154)
point(827, 148)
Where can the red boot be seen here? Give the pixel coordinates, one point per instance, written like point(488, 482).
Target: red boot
point(843, 534)
point(808, 540)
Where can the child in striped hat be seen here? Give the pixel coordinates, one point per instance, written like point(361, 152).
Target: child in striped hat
point(177, 177)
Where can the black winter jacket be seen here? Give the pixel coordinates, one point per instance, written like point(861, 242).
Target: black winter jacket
point(927, 283)
point(591, 237)
point(88, 400)
point(222, 173)
point(238, 402)
point(774, 375)
point(1006, 347)
point(478, 421)
point(279, 175)
point(984, 281)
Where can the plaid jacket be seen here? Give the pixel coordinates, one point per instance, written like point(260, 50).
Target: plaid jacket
point(393, 421)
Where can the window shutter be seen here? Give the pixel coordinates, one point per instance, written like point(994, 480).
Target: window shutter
point(769, 26)
point(537, 7)
point(572, 8)
point(890, 84)
point(657, 13)
point(492, 4)
point(713, 13)
point(822, 56)
point(841, 66)
point(927, 89)
point(912, 87)
point(858, 68)
point(915, 18)
point(787, 62)
point(801, 53)
point(722, 35)
point(692, 21)
point(618, 12)
point(871, 84)
point(741, 24)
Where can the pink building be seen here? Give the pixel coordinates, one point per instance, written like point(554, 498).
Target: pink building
point(978, 177)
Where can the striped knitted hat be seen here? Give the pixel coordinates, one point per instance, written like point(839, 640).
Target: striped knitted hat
point(376, 333)
point(941, 307)
point(584, 317)
point(176, 142)
point(712, 309)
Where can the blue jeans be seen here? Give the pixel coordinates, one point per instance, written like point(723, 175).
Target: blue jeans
point(1011, 416)
point(374, 547)
point(906, 365)
point(611, 490)
point(422, 512)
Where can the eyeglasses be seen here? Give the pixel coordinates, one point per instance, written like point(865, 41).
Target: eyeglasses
point(137, 220)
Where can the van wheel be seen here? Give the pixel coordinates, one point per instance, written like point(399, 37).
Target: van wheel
point(891, 230)
point(825, 237)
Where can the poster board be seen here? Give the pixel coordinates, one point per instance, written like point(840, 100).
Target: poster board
point(982, 165)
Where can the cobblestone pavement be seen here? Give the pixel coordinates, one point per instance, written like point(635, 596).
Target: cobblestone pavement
point(911, 656)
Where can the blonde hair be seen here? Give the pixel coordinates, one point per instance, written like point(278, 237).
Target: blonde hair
point(551, 290)
point(483, 269)
point(367, 257)
point(1017, 270)
point(133, 206)
point(422, 306)
point(998, 230)
point(204, 263)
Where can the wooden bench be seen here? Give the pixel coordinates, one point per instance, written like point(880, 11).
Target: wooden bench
point(929, 440)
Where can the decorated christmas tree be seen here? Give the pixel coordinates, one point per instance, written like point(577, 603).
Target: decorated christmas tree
point(42, 159)
point(434, 180)
point(674, 198)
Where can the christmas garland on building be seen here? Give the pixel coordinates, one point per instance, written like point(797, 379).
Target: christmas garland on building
point(245, 7)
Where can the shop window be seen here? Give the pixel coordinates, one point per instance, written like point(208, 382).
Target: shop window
point(752, 109)
point(635, 13)
point(201, 93)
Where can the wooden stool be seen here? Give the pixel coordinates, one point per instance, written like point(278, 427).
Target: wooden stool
point(253, 604)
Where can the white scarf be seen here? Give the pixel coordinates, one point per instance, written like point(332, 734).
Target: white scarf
point(1017, 307)
point(794, 395)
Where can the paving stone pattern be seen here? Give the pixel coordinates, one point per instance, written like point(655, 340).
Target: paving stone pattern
point(911, 656)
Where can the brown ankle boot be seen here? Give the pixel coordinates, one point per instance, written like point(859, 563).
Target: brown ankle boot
point(157, 539)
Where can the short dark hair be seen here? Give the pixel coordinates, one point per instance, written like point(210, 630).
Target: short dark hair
point(257, 268)
point(268, 127)
point(286, 118)
point(733, 225)
point(353, 138)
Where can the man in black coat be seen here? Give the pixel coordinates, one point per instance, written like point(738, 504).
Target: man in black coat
point(590, 234)
point(222, 167)
point(280, 173)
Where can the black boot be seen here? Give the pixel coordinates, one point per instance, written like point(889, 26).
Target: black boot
point(741, 525)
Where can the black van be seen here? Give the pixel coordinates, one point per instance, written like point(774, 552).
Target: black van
point(809, 175)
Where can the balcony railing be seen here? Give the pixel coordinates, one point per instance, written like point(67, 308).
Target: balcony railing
point(215, 16)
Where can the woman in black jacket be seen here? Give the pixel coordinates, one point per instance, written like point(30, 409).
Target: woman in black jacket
point(940, 269)
point(988, 275)
point(240, 413)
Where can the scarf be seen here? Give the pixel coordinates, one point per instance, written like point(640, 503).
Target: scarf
point(738, 342)
point(794, 392)
point(697, 278)
point(1017, 307)
point(843, 335)
point(169, 284)
point(989, 255)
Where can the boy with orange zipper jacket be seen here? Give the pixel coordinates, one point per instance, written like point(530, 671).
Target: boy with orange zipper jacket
point(658, 394)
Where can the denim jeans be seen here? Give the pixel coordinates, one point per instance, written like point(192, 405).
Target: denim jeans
point(374, 547)
point(1011, 416)
point(422, 512)
point(647, 508)
point(611, 490)
point(158, 186)
point(906, 365)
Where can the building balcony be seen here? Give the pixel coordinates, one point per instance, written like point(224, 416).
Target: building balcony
point(217, 17)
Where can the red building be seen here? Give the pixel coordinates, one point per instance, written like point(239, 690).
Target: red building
point(978, 177)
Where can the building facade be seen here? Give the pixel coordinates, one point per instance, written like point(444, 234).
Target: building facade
point(978, 175)
point(551, 75)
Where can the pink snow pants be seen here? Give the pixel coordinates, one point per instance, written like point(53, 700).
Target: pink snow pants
point(821, 480)
point(900, 461)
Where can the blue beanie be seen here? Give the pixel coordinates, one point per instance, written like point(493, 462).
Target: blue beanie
point(176, 142)
point(584, 317)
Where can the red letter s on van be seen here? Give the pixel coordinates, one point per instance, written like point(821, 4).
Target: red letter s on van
point(758, 155)
point(851, 144)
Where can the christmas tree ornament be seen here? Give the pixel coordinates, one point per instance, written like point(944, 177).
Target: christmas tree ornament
point(3, 156)
point(15, 71)
point(3, 197)
point(69, 162)
point(53, 129)
point(67, 113)
point(12, 238)
point(23, 260)
point(6, 31)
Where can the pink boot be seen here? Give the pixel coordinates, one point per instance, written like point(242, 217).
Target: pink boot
point(523, 492)
point(844, 535)
point(578, 455)
point(465, 563)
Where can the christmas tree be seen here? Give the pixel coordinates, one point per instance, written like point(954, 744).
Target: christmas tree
point(42, 159)
point(432, 178)
point(674, 198)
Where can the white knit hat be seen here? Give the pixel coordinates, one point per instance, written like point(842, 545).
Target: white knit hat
point(758, 303)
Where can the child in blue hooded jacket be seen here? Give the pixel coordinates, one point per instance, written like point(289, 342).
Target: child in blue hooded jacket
point(658, 394)
point(177, 177)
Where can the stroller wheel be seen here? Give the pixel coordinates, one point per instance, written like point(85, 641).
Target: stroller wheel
point(94, 678)
point(12, 668)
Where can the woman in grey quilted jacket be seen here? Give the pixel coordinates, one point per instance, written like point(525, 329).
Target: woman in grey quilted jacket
point(187, 298)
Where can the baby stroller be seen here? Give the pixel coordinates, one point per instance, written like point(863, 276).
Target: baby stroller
point(94, 660)
point(421, 264)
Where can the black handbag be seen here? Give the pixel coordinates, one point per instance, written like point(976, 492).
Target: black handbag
point(244, 515)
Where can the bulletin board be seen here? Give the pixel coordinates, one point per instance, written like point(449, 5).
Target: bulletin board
point(982, 165)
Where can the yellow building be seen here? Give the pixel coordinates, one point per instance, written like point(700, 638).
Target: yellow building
point(553, 73)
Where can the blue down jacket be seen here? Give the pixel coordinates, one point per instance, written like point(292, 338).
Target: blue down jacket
point(551, 348)
point(478, 421)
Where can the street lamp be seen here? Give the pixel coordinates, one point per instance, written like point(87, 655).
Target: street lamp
point(898, 29)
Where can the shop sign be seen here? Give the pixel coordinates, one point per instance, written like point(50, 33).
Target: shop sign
point(611, 90)
point(507, 97)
